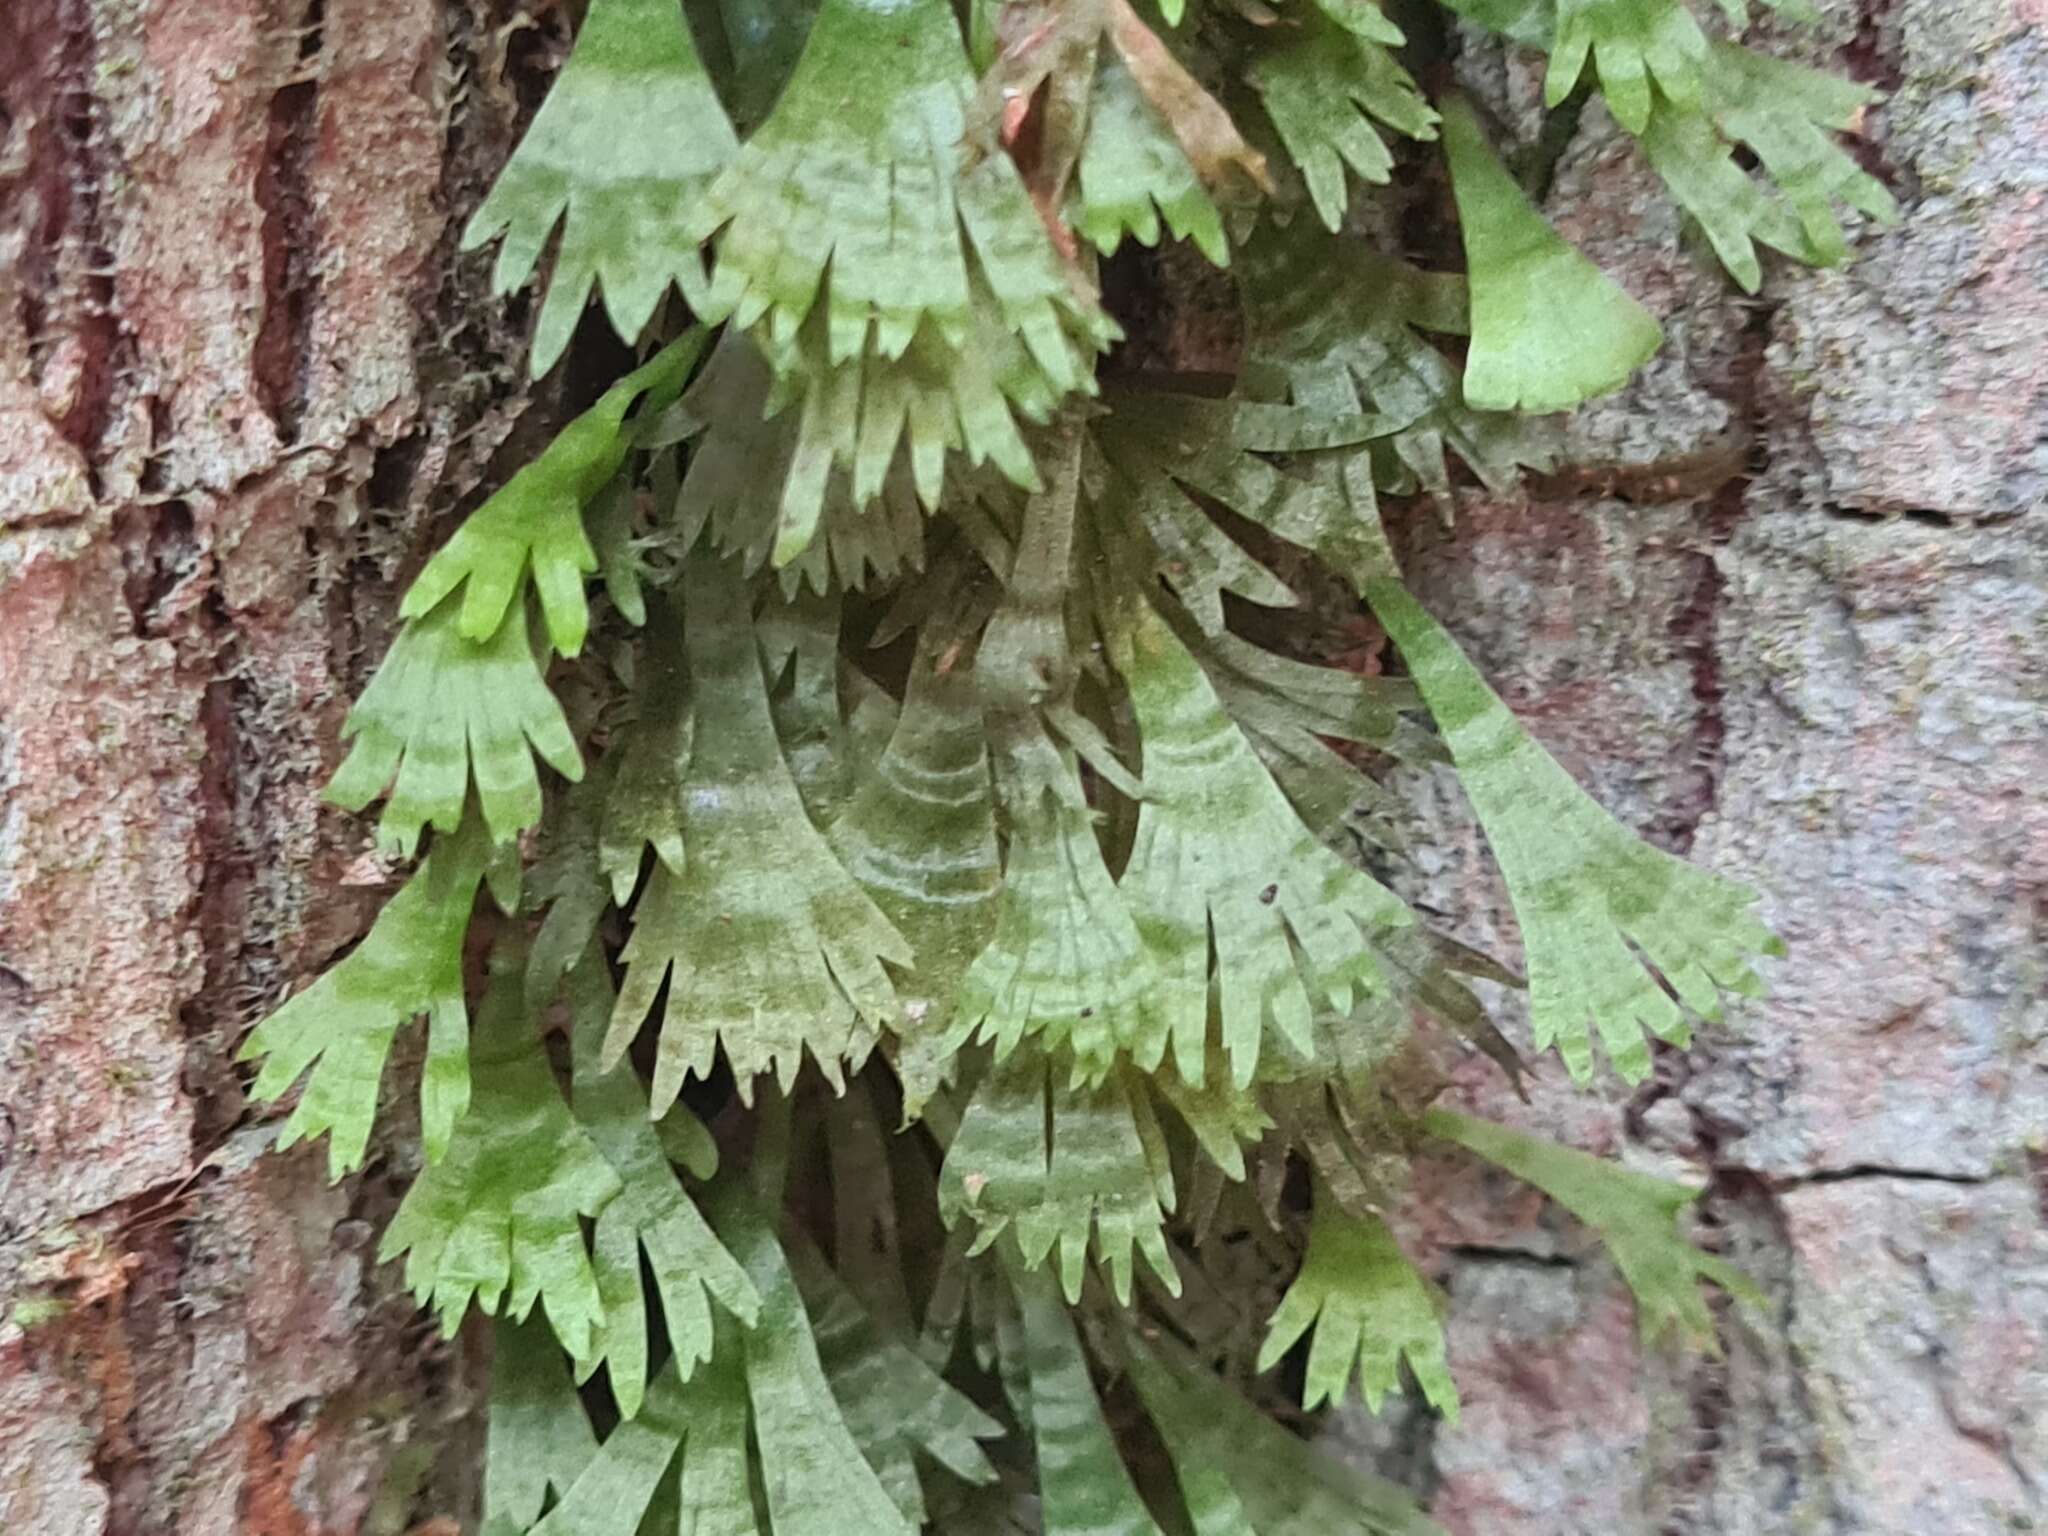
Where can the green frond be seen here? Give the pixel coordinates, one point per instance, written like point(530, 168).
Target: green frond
point(1220, 857)
point(1066, 964)
point(1635, 1215)
point(1134, 490)
point(1320, 84)
point(870, 525)
point(799, 636)
point(1632, 44)
point(532, 528)
point(649, 757)
point(498, 1218)
point(1736, 213)
point(410, 963)
point(537, 1438)
point(920, 836)
point(443, 713)
point(1370, 1311)
point(625, 1478)
point(1549, 329)
point(767, 945)
point(652, 1221)
point(1597, 905)
point(816, 1482)
point(1334, 327)
point(1084, 1488)
point(628, 139)
point(1239, 1472)
point(898, 1408)
point(1130, 165)
point(565, 883)
point(1786, 113)
point(895, 273)
point(1060, 1165)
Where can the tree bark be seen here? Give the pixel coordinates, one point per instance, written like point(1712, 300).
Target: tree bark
point(1787, 612)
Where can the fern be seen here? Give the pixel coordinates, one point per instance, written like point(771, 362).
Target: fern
point(953, 759)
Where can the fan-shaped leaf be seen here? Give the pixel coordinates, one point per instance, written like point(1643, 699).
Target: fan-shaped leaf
point(1319, 85)
point(1369, 1309)
point(1549, 329)
point(442, 711)
point(1130, 162)
point(652, 1216)
point(497, 1218)
point(343, 1025)
point(766, 944)
point(1635, 1214)
point(1059, 1164)
point(1221, 857)
point(533, 526)
point(1584, 889)
point(626, 188)
point(1632, 43)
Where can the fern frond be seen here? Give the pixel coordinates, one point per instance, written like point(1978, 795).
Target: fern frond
point(1635, 1215)
point(1549, 329)
point(1221, 858)
point(897, 1407)
point(537, 1438)
point(621, 188)
point(1589, 895)
point(1787, 113)
point(767, 946)
point(498, 1218)
point(1084, 1489)
point(443, 712)
point(649, 758)
point(1061, 1165)
point(1334, 327)
point(1130, 165)
point(1632, 44)
point(1370, 1310)
point(920, 835)
point(410, 963)
point(1066, 964)
point(1240, 1472)
point(652, 1221)
point(1321, 84)
point(532, 528)
point(870, 527)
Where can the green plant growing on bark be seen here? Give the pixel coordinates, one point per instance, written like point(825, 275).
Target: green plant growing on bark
point(1014, 921)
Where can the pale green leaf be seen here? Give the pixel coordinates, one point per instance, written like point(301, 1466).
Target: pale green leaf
point(816, 1482)
point(498, 1218)
point(1333, 326)
point(1369, 1309)
point(533, 526)
point(1083, 1486)
point(538, 1437)
point(895, 1404)
point(630, 135)
point(1632, 43)
point(1549, 329)
point(1635, 1214)
point(443, 712)
point(1130, 165)
point(650, 755)
point(1242, 1473)
point(1784, 112)
point(920, 836)
point(1597, 906)
point(1220, 858)
point(652, 1221)
point(1062, 1165)
point(1319, 85)
point(767, 946)
point(342, 1026)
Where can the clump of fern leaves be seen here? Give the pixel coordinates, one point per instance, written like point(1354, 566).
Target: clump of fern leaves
point(948, 909)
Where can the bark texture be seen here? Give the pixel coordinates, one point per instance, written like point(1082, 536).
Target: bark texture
point(1789, 613)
